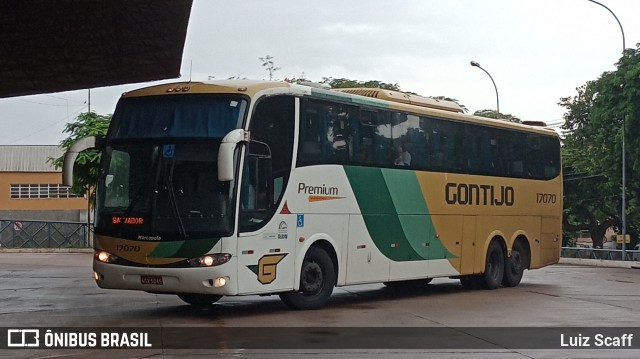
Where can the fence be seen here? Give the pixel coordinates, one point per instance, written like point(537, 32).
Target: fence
point(597, 253)
point(40, 234)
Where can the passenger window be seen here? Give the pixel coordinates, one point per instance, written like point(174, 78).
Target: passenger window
point(327, 133)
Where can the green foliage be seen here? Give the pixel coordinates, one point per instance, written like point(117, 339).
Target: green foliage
point(269, 65)
point(85, 172)
point(347, 83)
point(445, 98)
point(497, 115)
point(593, 147)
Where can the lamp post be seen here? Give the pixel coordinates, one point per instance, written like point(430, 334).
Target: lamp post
point(623, 218)
point(475, 64)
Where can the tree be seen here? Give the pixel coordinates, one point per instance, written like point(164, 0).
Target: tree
point(347, 83)
point(85, 171)
point(497, 115)
point(593, 146)
point(589, 202)
point(445, 98)
point(269, 65)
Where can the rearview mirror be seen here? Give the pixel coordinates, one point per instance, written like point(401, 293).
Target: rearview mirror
point(72, 154)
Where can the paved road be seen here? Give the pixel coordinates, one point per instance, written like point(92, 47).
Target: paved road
point(56, 290)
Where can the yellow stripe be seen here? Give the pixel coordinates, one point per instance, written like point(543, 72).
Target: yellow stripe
point(323, 198)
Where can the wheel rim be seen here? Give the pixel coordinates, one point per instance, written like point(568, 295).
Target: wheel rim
point(312, 278)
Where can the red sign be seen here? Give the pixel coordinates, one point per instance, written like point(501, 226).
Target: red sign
point(127, 220)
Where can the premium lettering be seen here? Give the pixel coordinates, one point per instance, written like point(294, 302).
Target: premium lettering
point(479, 194)
point(303, 188)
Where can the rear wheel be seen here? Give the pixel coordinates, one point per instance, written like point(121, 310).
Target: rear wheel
point(494, 266)
point(199, 299)
point(515, 265)
point(317, 279)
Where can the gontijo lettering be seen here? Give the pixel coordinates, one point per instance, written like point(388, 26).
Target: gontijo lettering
point(479, 194)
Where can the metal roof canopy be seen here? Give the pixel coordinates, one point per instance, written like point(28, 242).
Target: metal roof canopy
point(21, 158)
point(62, 45)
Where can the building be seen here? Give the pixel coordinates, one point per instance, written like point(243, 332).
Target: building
point(30, 186)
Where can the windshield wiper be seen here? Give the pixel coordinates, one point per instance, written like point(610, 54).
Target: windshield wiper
point(174, 204)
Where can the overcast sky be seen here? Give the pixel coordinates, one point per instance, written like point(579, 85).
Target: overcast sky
point(537, 51)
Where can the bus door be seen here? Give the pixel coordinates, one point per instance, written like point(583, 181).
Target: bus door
point(266, 239)
point(266, 231)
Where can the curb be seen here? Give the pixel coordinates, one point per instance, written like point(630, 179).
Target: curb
point(563, 260)
point(600, 263)
point(46, 250)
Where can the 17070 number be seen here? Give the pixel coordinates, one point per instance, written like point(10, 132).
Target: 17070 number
point(545, 198)
point(127, 248)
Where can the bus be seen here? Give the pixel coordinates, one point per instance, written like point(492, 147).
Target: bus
point(245, 187)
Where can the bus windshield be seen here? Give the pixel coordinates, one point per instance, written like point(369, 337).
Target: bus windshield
point(158, 178)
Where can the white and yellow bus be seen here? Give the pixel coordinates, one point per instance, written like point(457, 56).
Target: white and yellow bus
point(251, 187)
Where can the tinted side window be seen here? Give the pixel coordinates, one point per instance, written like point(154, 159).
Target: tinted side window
point(329, 133)
point(373, 138)
point(336, 133)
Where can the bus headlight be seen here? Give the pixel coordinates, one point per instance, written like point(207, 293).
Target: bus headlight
point(105, 257)
point(210, 260)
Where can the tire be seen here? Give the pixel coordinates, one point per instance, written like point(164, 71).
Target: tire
point(317, 279)
point(515, 265)
point(494, 266)
point(200, 300)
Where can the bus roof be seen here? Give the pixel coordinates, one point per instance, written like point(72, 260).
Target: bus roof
point(402, 97)
point(401, 101)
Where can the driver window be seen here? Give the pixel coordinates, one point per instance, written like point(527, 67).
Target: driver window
point(268, 163)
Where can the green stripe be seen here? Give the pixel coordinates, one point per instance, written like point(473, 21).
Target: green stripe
point(395, 213)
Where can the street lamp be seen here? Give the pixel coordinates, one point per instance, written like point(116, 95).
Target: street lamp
point(624, 163)
point(475, 64)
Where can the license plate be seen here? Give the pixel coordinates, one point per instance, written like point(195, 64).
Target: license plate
point(151, 279)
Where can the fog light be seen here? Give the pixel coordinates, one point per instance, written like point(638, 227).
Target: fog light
point(97, 276)
point(105, 257)
point(220, 282)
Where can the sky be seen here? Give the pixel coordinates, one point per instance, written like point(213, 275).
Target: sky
point(537, 51)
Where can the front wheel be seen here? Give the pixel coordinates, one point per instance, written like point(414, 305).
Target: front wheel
point(199, 299)
point(317, 279)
